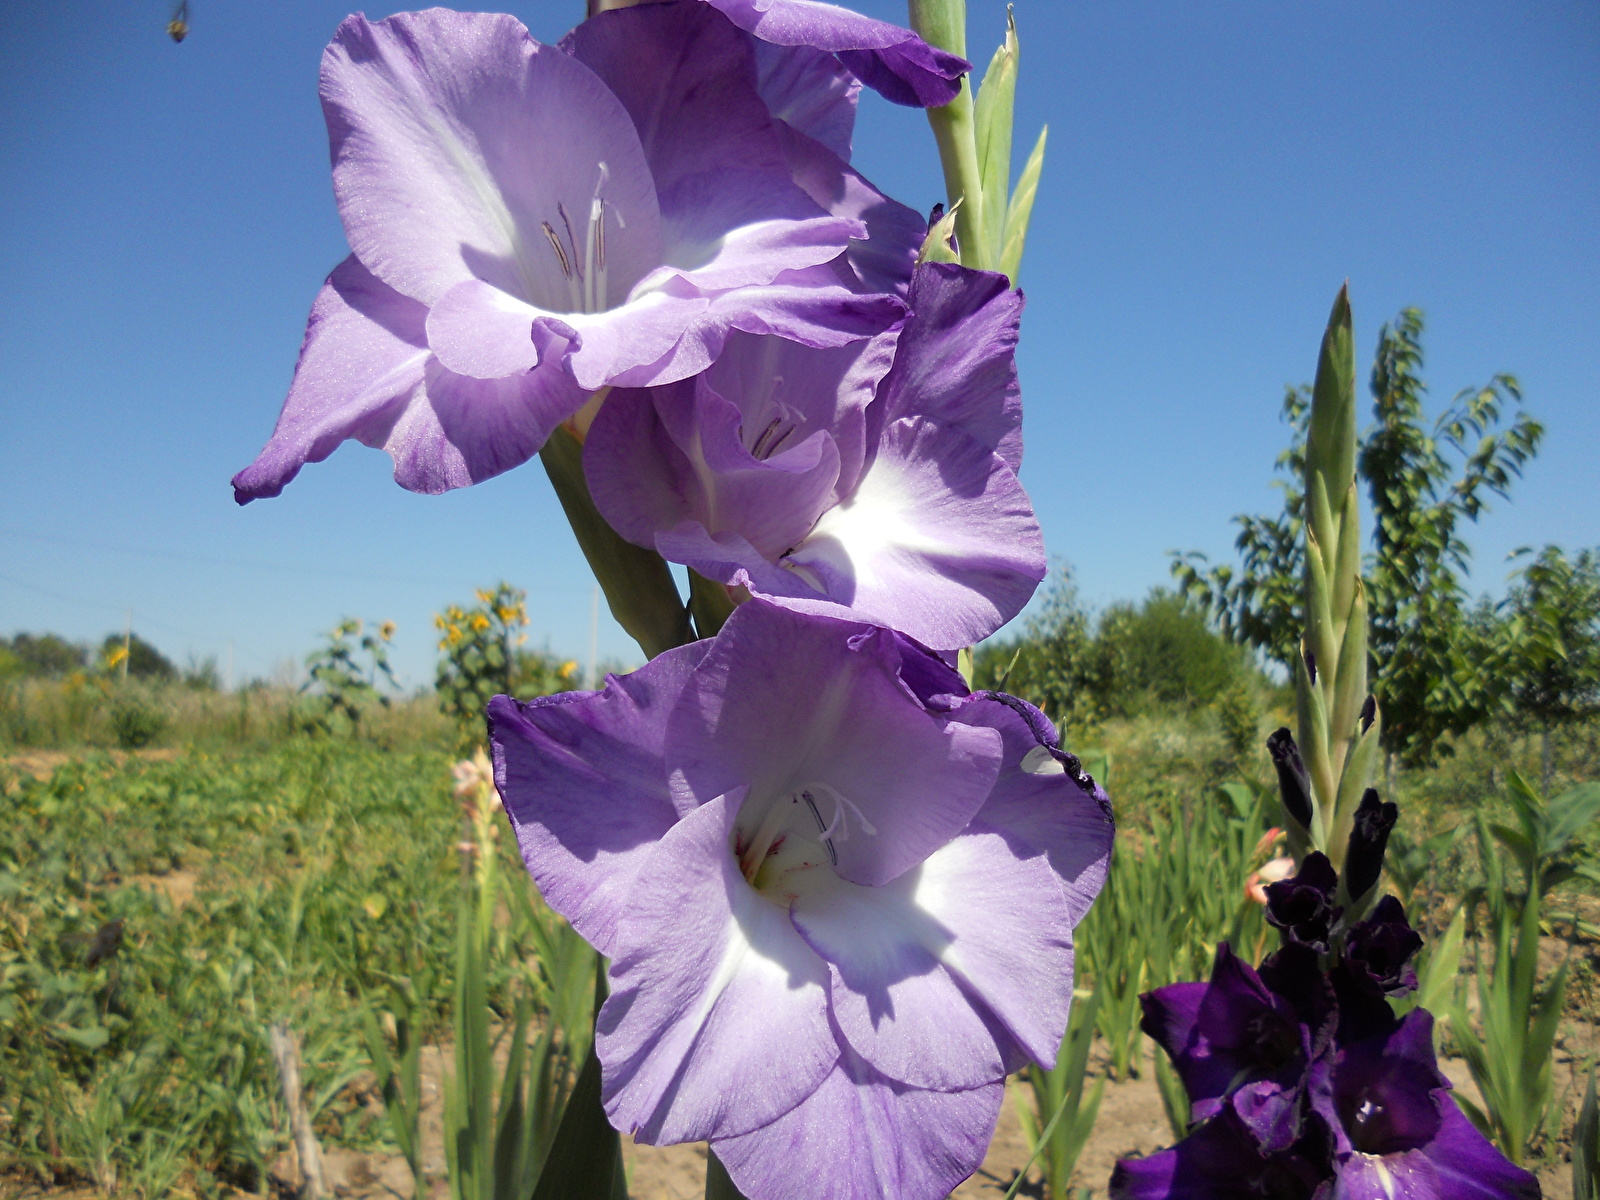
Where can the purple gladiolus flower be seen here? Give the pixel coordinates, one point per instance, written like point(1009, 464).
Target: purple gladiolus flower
point(837, 891)
point(1305, 1086)
point(531, 223)
point(875, 481)
point(893, 61)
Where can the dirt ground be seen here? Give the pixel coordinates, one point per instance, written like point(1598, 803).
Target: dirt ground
point(1131, 1122)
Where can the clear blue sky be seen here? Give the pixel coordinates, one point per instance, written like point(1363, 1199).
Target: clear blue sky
point(1215, 171)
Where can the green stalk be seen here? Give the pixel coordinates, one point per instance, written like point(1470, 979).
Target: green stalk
point(1331, 679)
point(943, 23)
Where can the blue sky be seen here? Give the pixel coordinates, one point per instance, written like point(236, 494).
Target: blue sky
point(1215, 171)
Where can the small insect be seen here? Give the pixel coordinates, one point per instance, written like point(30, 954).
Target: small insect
point(178, 26)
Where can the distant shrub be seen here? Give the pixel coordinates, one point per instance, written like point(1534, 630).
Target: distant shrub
point(135, 720)
point(1133, 658)
point(46, 655)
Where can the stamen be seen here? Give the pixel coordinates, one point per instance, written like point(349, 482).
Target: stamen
point(833, 855)
point(571, 241)
point(555, 244)
point(761, 449)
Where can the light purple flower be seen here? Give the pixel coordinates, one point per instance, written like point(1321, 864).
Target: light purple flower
point(837, 890)
point(875, 481)
point(530, 223)
point(893, 61)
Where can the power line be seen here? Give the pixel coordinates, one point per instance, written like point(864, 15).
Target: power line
point(82, 603)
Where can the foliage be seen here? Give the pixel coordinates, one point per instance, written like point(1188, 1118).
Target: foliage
point(1554, 610)
point(155, 918)
point(344, 676)
point(46, 655)
point(143, 660)
point(1586, 1147)
point(496, 1139)
point(1129, 660)
point(135, 719)
point(1067, 1116)
point(1509, 1053)
point(1422, 485)
point(482, 656)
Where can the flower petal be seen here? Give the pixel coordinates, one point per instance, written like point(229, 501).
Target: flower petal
point(863, 1137)
point(883, 261)
point(731, 215)
point(717, 1020)
point(1043, 801)
point(1469, 1166)
point(1407, 1176)
point(365, 372)
point(1218, 1161)
point(361, 362)
point(657, 458)
point(939, 540)
point(784, 702)
point(956, 361)
point(583, 783)
point(892, 61)
point(971, 923)
point(809, 91)
point(1221, 1033)
point(455, 136)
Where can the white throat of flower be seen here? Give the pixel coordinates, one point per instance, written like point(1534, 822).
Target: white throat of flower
point(585, 269)
point(815, 803)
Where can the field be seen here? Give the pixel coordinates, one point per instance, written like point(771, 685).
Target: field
point(160, 909)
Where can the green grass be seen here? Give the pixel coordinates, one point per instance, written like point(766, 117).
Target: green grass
point(322, 869)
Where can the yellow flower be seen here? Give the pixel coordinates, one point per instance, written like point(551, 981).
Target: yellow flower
point(386, 630)
point(568, 669)
point(479, 622)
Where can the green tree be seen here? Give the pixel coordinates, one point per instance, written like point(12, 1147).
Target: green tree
point(1550, 655)
point(46, 654)
point(1423, 484)
point(1051, 663)
point(144, 660)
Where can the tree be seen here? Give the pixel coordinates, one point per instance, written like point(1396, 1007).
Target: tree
point(1551, 652)
point(1422, 485)
point(144, 660)
point(46, 654)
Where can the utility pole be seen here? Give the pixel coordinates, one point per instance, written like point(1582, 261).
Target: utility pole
point(127, 643)
point(594, 638)
point(227, 681)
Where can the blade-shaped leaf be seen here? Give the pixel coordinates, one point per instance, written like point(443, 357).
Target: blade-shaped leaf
point(992, 120)
point(1021, 209)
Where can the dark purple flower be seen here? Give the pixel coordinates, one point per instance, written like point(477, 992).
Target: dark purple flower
point(530, 223)
point(804, 843)
point(1294, 783)
point(1363, 1114)
point(875, 481)
point(1369, 837)
point(1379, 950)
point(1397, 1133)
point(894, 62)
point(1302, 905)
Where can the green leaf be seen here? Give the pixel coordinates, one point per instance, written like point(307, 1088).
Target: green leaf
point(1020, 210)
point(585, 1161)
point(1586, 1147)
point(719, 1185)
point(992, 121)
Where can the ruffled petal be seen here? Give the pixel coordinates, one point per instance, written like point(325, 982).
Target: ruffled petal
point(1469, 1166)
point(365, 372)
point(939, 540)
point(1407, 1176)
point(361, 362)
point(717, 1020)
point(861, 1136)
point(456, 136)
point(892, 61)
point(1043, 800)
point(786, 705)
point(1218, 1161)
point(584, 784)
point(809, 91)
point(956, 360)
point(883, 260)
point(972, 922)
